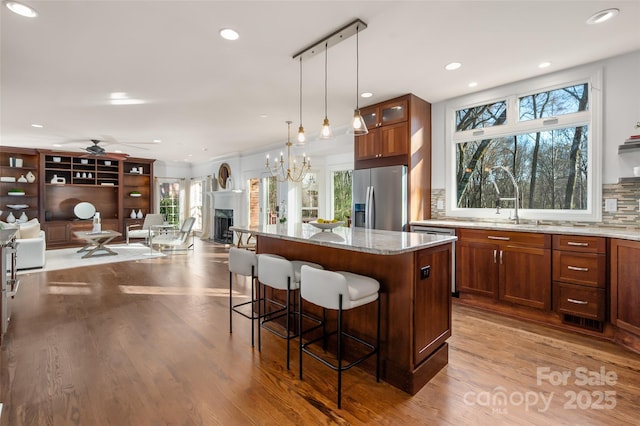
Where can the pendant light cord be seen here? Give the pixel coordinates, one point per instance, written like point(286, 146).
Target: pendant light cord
point(326, 53)
point(300, 90)
point(357, 65)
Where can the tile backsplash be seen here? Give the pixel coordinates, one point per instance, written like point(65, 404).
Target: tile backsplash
point(627, 215)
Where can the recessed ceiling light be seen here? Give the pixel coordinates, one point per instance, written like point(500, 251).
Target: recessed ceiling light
point(157, 141)
point(603, 15)
point(126, 101)
point(263, 116)
point(21, 9)
point(37, 126)
point(119, 151)
point(452, 66)
point(473, 84)
point(544, 64)
point(229, 34)
point(366, 95)
point(57, 145)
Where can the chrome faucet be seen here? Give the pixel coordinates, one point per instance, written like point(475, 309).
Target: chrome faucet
point(515, 199)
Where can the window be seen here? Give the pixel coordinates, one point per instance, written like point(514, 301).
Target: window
point(341, 180)
point(546, 137)
point(171, 194)
point(271, 185)
point(309, 188)
point(196, 198)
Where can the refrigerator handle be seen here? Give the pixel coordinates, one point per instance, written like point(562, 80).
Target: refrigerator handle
point(371, 214)
point(366, 208)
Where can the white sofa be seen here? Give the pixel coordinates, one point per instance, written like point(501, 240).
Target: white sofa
point(30, 251)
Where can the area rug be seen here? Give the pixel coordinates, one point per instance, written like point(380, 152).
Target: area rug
point(70, 258)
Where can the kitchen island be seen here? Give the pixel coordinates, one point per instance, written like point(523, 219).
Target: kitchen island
point(414, 271)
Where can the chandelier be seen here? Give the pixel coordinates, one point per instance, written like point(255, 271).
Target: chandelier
point(288, 169)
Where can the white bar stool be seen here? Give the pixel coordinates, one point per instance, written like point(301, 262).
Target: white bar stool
point(280, 274)
point(339, 291)
point(243, 262)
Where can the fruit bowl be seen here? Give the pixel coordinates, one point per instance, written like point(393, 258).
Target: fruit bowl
point(326, 225)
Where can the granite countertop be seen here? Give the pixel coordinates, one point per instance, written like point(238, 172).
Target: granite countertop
point(596, 231)
point(356, 239)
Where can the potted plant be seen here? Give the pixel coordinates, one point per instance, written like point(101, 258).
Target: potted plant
point(135, 194)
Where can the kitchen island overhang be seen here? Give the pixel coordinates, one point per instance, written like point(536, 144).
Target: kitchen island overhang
point(414, 271)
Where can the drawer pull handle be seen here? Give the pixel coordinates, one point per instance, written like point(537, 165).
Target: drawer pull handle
point(495, 256)
point(491, 237)
point(577, 268)
point(577, 302)
point(572, 243)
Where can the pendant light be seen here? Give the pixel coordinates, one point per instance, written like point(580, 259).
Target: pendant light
point(359, 126)
point(326, 132)
point(301, 137)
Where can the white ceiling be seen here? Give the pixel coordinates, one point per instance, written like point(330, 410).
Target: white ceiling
point(205, 95)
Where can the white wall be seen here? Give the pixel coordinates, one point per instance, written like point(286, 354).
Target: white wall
point(621, 106)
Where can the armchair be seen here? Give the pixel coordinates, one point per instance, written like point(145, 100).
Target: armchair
point(145, 230)
point(177, 239)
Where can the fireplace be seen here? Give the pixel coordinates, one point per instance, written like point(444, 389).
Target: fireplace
point(223, 221)
point(226, 209)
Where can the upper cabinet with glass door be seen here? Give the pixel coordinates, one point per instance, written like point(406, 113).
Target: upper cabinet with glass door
point(383, 114)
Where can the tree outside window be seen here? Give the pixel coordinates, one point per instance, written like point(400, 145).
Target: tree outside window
point(342, 181)
point(549, 160)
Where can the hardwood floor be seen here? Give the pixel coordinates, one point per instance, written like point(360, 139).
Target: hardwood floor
point(147, 343)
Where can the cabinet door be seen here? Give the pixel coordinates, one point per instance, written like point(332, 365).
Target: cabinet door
point(525, 276)
point(367, 146)
point(477, 268)
point(432, 303)
point(56, 232)
point(394, 140)
point(625, 285)
point(395, 111)
point(371, 117)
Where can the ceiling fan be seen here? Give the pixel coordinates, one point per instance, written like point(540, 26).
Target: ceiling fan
point(96, 150)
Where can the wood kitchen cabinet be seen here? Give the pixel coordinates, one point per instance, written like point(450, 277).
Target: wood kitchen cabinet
point(388, 135)
point(432, 319)
point(625, 291)
point(513, 267)
point(579, 280)
point(387, 141)
point(400, 134)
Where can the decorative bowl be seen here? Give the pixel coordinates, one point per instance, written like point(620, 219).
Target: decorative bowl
point(16, 193)
point(135, 194)
point(325, 226)
point(18, 206)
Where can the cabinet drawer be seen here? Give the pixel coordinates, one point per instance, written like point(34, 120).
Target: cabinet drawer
point(529, 239)
point(586, 302)
point(579, 268)
point(579, 243)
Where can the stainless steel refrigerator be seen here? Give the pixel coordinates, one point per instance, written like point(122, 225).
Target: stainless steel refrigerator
point(380, 198)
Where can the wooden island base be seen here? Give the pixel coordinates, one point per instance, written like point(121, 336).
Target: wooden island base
point(415, 305)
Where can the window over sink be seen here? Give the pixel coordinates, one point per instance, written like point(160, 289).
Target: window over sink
point(545, 131)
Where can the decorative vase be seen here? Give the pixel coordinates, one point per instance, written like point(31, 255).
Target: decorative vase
point(133, 214)
point(31, 177)
point(140, 216)
point(11, 218)
point(22, 179)
point(23, 217)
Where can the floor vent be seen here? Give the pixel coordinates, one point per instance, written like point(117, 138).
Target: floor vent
point(589, 324)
